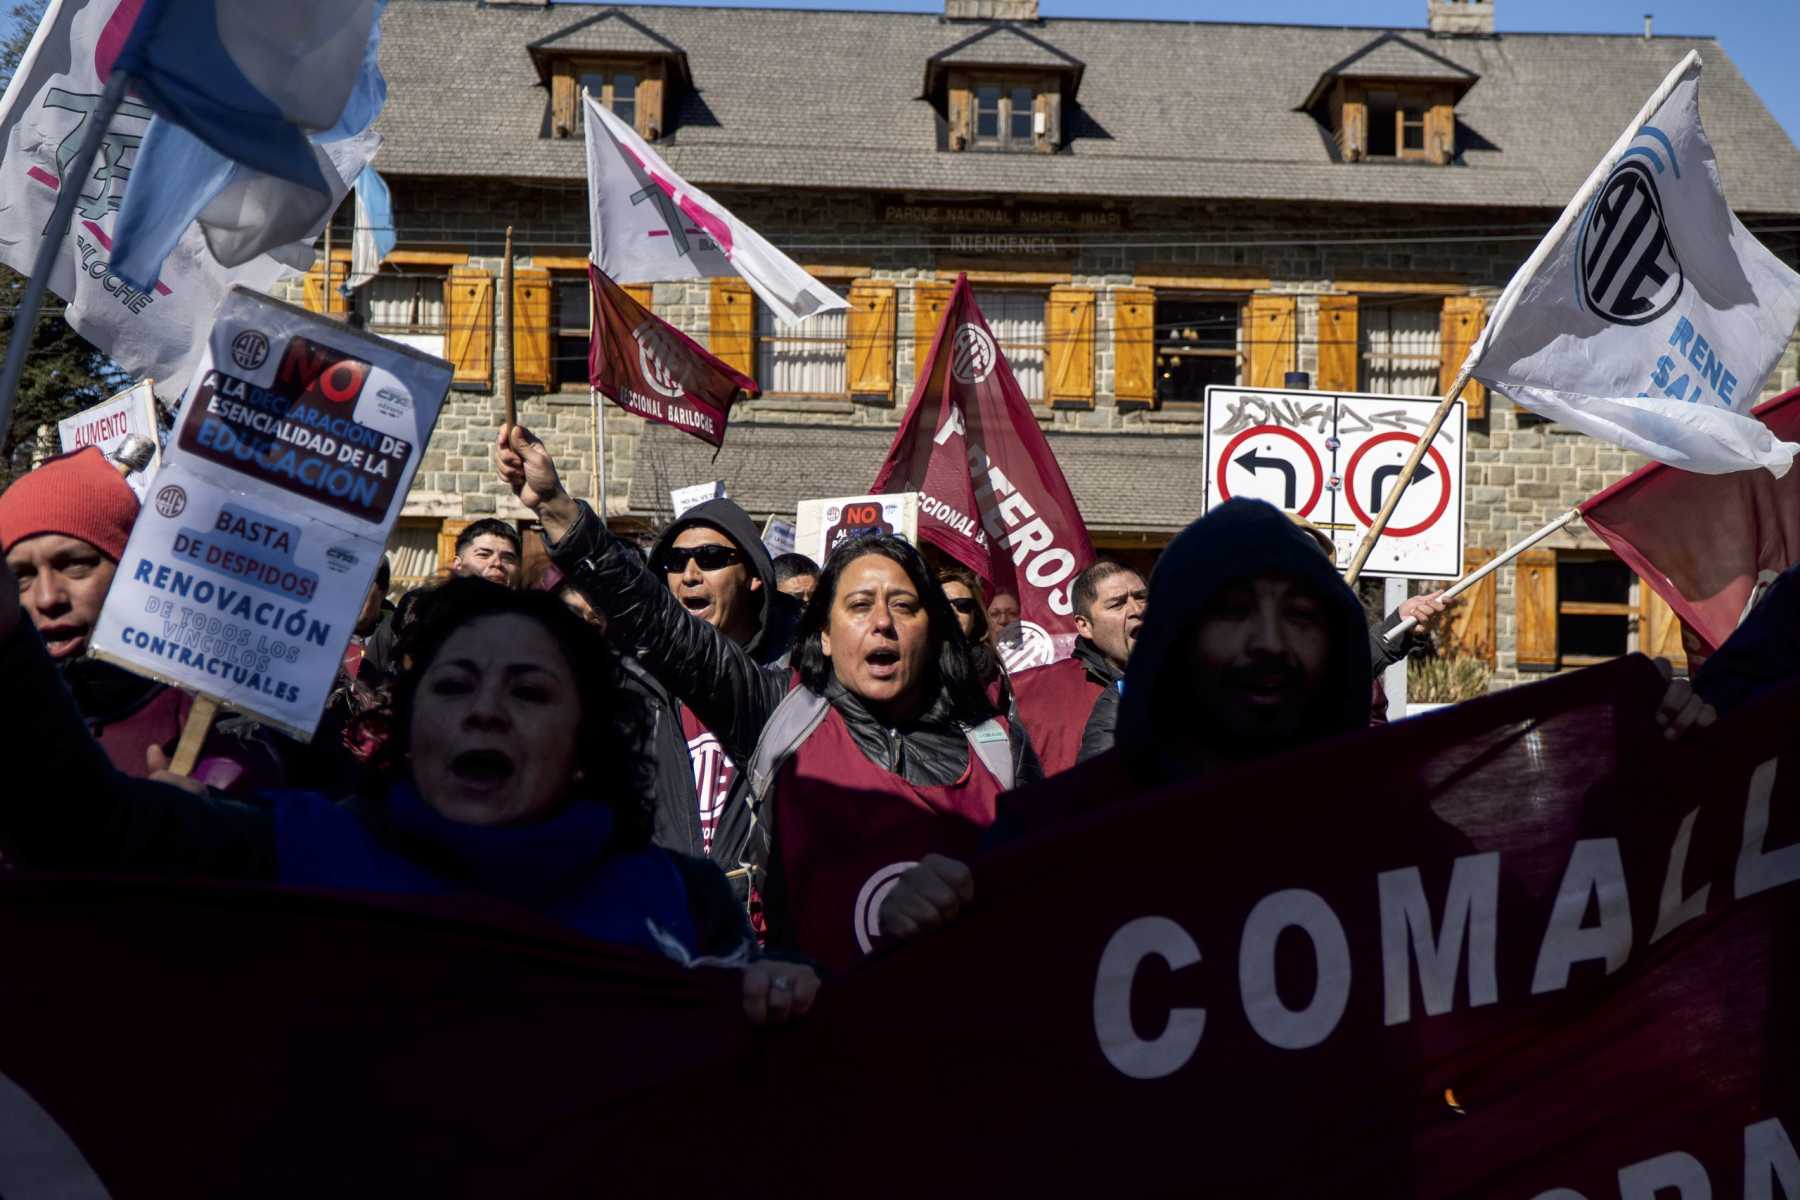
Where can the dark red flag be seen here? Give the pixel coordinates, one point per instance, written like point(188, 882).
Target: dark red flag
point(1708, 544)
point(647, 366)
point(992, 496)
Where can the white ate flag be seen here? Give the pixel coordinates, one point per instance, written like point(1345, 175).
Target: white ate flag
point(1649, 316)
point(158, 332)
point(649, 224)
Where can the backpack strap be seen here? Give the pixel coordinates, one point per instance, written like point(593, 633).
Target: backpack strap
point(792, 722)
point(989, 742)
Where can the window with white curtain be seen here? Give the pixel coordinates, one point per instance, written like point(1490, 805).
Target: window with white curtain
point(1400, 346)
point(402, 302)
point(807, 359)
point(1017, 320)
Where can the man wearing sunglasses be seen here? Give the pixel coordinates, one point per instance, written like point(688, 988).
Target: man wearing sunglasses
point(716, 565)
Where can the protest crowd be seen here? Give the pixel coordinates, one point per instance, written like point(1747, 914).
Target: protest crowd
point(919, 822)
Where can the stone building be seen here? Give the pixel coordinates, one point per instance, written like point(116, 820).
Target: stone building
point(1143, 207)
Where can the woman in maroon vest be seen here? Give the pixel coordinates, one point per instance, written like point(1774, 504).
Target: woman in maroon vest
point(878, 746)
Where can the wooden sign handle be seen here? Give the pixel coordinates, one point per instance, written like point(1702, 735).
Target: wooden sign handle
point(193, 734)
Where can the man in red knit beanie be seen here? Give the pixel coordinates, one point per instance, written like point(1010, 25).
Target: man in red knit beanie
point(63, 529)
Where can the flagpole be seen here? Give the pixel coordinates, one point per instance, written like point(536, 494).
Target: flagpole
point(1406, 473)
point(598, 442)
point(506, 357)
point(68, 192)
point(1488, 568)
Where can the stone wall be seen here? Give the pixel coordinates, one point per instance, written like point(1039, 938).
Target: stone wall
point(1520, 474)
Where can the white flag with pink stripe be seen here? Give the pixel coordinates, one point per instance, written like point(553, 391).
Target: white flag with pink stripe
point(649, 224)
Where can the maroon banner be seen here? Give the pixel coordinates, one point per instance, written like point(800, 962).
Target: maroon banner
point(1708, 544)
point(647, 366)
point(992, 496)
point(1516, 946)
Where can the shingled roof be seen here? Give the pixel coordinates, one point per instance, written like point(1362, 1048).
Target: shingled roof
point(1123, 483)
point(814, 99)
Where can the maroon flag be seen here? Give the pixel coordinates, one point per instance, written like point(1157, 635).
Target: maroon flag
point(992, 496)
point(647, 366)
point(1708, 544)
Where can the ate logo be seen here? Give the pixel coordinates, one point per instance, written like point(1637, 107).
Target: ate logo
point(656, 349)
point(972, 354)
point(1628, 271)
point(1023, 645)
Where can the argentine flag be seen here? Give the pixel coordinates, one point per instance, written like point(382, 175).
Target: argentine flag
point(263, 110)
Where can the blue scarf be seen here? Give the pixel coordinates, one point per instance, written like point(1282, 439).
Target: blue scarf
point(564, 867)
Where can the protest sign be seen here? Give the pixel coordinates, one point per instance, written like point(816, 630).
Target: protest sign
point(820, 526)
point(1331, 457)
point(779, 536)
point(281, 481)
point(684, 498)
point(1519, 945)
point(110, 422)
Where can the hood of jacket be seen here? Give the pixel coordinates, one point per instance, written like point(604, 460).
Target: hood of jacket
point(777, 613)
point(1238, 540)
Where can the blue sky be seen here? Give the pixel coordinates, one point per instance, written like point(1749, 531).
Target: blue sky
point(1761, 36)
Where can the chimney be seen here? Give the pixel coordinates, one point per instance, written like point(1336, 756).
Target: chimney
point(1460, 18)
point(990, 10)
point(1647, 18)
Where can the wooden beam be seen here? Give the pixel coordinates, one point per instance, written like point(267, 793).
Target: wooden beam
point(948, 270)
point(1222, 279)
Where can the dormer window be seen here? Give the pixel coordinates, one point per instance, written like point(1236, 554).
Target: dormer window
point(626, 66)
point(1392, 101)
point(1002, 89)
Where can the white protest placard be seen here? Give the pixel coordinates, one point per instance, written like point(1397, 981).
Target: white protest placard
point(1331, 458)
point(110, 422)
point(684, 498)
point(286, 470)
point(820, 525)
point(778, 536)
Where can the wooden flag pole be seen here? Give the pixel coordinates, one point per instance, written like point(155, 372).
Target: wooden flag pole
point(193, 735)
point(506, 358)
point(595, 405)
point(1406, 473)
point(1488, 568)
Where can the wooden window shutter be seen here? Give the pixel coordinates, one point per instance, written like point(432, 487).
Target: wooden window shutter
point(1659, 629)
point(531, 332)
point(732, 322)
point(650, 92)
point(1440, 132)
point(1469, 625)
point(317, 299)
point(870, 353)
point(1069, 329)
point(1337, 344)
point(563, 99)
point(643, 293)
point(929, 302)
point(469, 321)
point(1534, 611)
point(446, 542)
point(1458, 328)
point(1134, 345)
point(1353, 134)
point(1269, 351)
point(960, 111)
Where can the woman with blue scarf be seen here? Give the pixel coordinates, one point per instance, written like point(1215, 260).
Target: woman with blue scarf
point(511, 775)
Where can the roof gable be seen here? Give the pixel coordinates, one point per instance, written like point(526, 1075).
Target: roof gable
point(1002, 45)
point(1392, 56)
point(611, 31)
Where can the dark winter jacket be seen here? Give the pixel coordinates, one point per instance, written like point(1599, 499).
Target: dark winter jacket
point(1762, 653)
point(1239, 539)
point(677, 822)
point(96, 818)
point(1102, 728)
point(731, 692)
point(1053, 702)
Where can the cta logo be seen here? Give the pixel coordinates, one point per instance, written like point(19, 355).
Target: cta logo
point(655, 350)
point(972, 354)
point(1023, 645)
point(1626, 264)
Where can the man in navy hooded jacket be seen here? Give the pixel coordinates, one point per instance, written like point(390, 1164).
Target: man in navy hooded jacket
point(1252, 645)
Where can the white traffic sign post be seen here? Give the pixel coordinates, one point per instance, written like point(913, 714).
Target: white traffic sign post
point(1334, 459)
